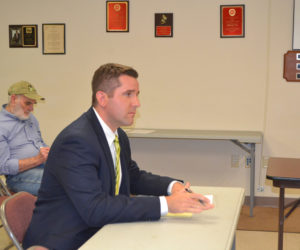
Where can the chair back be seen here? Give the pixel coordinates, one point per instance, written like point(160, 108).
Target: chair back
point(16, 213)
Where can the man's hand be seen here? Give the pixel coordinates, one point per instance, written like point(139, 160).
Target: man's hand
point(44, 151)
point(28, 163)
point(182, 201)
point(179, 187)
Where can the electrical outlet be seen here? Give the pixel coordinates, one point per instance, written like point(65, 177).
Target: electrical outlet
point(248, 162)
point(260, 188)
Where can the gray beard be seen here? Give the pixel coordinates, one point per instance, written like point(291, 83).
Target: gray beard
point(18, 112)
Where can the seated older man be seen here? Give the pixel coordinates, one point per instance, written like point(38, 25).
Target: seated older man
point(22, 149)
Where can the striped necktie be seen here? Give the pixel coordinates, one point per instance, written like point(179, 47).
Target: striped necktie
point(117, 147)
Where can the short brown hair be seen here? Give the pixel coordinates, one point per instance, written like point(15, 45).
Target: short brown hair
point(106, 78)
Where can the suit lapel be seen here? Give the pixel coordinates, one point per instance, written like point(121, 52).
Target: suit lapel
point(103, 143)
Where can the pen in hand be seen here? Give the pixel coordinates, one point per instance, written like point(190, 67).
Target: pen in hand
point(201, 201)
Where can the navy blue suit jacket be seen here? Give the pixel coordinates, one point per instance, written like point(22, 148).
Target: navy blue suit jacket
point(77, 198)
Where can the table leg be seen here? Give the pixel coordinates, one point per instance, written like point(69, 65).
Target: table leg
point(250, 151)
point(252, 178)
point(281, 219)
point(233, 243)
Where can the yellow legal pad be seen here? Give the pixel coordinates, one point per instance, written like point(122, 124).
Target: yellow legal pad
point(180, 214)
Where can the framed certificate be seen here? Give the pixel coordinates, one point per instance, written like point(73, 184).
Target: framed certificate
point(23, 36)
point(117, 16)
point(54, 38)
point(232, 21)
point(163, 25)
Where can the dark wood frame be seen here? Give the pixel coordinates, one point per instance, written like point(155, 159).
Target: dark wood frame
point(25, 39)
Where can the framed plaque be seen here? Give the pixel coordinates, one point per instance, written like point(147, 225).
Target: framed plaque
point(22, 36)
point(54, 38)
point(232, 21)
point(117, 16)
point(29, 35)
point(163, 25)
point(291, 68)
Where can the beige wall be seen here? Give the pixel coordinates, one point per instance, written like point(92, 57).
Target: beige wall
point(195, 80)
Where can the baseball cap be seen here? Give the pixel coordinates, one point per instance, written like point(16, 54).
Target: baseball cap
point(26, 89)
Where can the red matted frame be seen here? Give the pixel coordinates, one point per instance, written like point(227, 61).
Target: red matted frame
point(117, 16)
point(232, 21)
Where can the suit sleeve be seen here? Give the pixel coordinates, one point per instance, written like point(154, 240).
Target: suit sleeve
point(81, 169)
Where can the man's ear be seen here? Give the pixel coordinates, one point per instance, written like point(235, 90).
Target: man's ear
point(13, 98)
point(102, 98)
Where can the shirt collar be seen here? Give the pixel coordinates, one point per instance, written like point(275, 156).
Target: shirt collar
point(6, 112)
point(109, 134)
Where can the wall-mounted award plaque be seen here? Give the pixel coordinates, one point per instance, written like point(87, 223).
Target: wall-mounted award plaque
point(117, 16)
point(54, 38)
point(291, 68)
point(232, 21)
point(22, 36)
point(163, 25)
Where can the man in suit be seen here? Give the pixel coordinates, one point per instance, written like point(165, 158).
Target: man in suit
point(85, 186)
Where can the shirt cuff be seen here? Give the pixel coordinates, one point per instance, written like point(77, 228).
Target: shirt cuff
point(170, 187)
point(164, 209)
point(163, 205)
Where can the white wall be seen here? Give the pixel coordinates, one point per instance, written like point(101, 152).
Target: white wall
point(195, 80)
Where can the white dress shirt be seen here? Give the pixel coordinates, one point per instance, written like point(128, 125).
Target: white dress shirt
point(110, 137)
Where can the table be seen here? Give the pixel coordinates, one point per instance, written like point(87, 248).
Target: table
point(209, 230)
point(285, 173)
point(246, 140)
